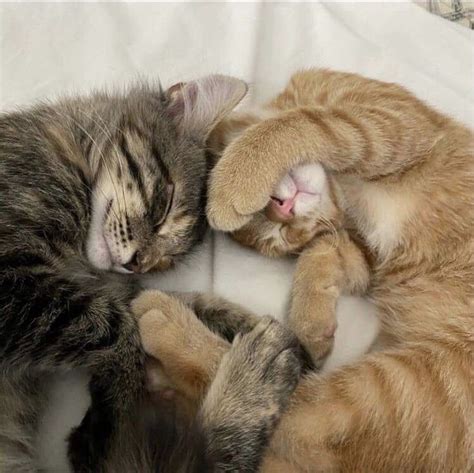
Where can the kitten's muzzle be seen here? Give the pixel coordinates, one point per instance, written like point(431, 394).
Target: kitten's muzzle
point(280, 210)
point(133, 264)
point(140, 265)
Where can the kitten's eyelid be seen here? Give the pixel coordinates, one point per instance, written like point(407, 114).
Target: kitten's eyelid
point(170, 189)
point(169, 205)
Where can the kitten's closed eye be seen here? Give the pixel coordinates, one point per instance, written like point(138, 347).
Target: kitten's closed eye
point(169, 205)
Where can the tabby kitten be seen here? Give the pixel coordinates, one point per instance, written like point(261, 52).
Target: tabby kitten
point(91, 187)
point(388, 211)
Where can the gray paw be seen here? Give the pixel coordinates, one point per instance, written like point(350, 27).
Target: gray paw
point(265, 360)
point(251, 390)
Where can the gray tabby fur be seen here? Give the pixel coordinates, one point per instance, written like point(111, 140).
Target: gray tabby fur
point(139, 158)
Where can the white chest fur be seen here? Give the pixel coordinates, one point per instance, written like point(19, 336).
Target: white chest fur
point(379, 210)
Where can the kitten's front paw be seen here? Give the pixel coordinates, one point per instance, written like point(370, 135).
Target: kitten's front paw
point(241, 183)
point(269, 353)
point(151, 299)
point(316, 334)
point(253, 384)
point(167, 330)
point(222, 197)
point(320, 347)
point(187, 350)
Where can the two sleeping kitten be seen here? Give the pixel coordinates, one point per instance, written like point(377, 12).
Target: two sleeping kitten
point(91, 187)
point(399, 227)
point(373, 190)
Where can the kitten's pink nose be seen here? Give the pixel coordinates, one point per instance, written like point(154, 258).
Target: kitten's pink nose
point(285, 207)
point(279, 210)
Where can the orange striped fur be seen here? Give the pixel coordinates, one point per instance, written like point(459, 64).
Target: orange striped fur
point(401, 231)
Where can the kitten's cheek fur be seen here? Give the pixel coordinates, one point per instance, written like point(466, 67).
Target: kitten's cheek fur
point(98, 252)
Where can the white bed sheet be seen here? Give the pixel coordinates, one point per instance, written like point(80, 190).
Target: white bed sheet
point(55, 48)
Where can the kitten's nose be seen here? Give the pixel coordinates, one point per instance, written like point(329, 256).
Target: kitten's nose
point(133, 264)
point(279, 210)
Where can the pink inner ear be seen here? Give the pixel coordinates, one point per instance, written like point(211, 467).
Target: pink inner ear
point(175, 89)
point(197, 105)
point(183, 97)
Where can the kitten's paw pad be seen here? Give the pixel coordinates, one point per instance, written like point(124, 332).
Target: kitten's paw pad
point(168, 329)
point(313, 320)
point(153, 324)
point(181, 343)
point(165, 323)
point(149, 300)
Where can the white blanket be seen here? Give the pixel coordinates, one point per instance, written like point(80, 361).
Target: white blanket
point(50, 49)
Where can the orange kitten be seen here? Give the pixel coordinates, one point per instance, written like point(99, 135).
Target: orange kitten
point(395, 221)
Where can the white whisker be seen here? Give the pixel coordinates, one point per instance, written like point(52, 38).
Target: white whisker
point(106, 130)
point(67, 116)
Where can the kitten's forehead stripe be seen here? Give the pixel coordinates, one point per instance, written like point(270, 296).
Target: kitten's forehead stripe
point(133, 168)
point(132, 129)
point(159, 161)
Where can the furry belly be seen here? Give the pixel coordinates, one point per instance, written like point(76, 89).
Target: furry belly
point(379, 212)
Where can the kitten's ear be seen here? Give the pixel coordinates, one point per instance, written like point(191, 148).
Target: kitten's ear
point(197, 106)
